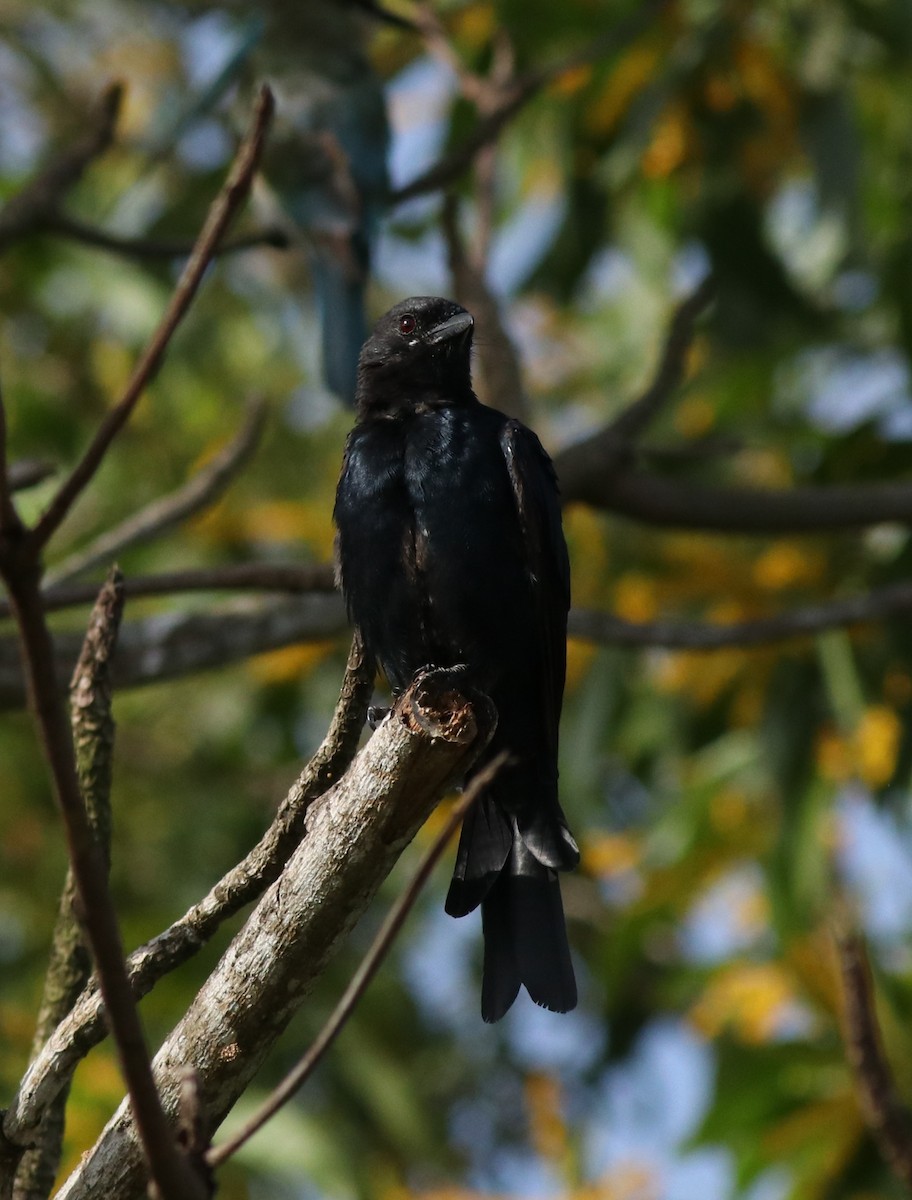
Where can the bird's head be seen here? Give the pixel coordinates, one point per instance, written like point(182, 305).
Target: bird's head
point(418, 353)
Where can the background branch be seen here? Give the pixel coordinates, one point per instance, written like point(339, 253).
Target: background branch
point(31, 209)
point(165, 513)
point(222, 212)
point(521, 90)
point(154, 249)
point(888, 1118)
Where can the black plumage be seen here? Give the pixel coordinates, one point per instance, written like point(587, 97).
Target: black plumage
point(451, 552)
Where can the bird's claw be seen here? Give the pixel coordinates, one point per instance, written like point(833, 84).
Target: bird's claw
point(376, 715)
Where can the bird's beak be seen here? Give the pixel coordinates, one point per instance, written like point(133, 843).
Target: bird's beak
point(453, 327)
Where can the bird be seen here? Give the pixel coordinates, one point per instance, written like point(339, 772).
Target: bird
point(450, 553)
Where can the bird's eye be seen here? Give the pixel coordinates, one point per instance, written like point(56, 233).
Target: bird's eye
point(407, 324)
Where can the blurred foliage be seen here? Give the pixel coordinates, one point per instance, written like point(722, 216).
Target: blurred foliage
point(722, 799)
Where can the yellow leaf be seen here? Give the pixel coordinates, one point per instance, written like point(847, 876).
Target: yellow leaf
point(671, 143)
point(610, 854)
point(475, 24)
point(289, 663)
point(635, 597)
point(876, 744)
point(749, 999)
point(785, 564)
point(544, 1105)
point(569, 82)
point(695, 417)
point(635, 70)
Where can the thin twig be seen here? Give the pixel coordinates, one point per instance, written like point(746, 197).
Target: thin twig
point(69, 964)
point(10, 522)
point(888, 1118)
point(21, 569)
point(154, 249)
point(222, 212)
point(96, 910)
point(379, 948)
point(168, 511)
point(637, 417)
point(602, 452)
point(31, 208)
point(453, 164)
point(498, 362)
point(29, 472)
point(244, 883)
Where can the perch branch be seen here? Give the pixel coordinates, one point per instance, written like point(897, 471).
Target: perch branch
point(368, 968)
point(355, 833)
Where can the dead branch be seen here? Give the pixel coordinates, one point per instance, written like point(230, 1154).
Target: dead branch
point(888, 1118)
point(169, 646)
point(85, 1026)
point(354, 835)
point(606, 629)
point(69, 964)
point(367, 969)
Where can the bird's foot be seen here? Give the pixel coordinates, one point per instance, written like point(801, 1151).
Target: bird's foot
point(376, 715)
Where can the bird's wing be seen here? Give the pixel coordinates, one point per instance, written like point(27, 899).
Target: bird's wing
point(537, 498)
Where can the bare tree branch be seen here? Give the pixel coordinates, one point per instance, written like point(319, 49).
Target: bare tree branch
point(69, 964)
point(888, 1118)
point(368, 968)
point(244, 883)
point(669, 504)
point(20, 566)
point(606, 629)
point(29, 472)
point(146, 249)
point(354, 836)
point(163, 514)
point(600, 455)
point(501, 376)
point(222, 212)
point(171, 645)
point(293, 578)
point(21, 572)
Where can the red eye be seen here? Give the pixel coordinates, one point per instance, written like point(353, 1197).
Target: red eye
point(407, 324)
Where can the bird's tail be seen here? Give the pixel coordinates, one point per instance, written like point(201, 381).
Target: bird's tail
point(525, 934)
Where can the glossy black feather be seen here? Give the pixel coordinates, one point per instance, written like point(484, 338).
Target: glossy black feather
point(451, 552)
